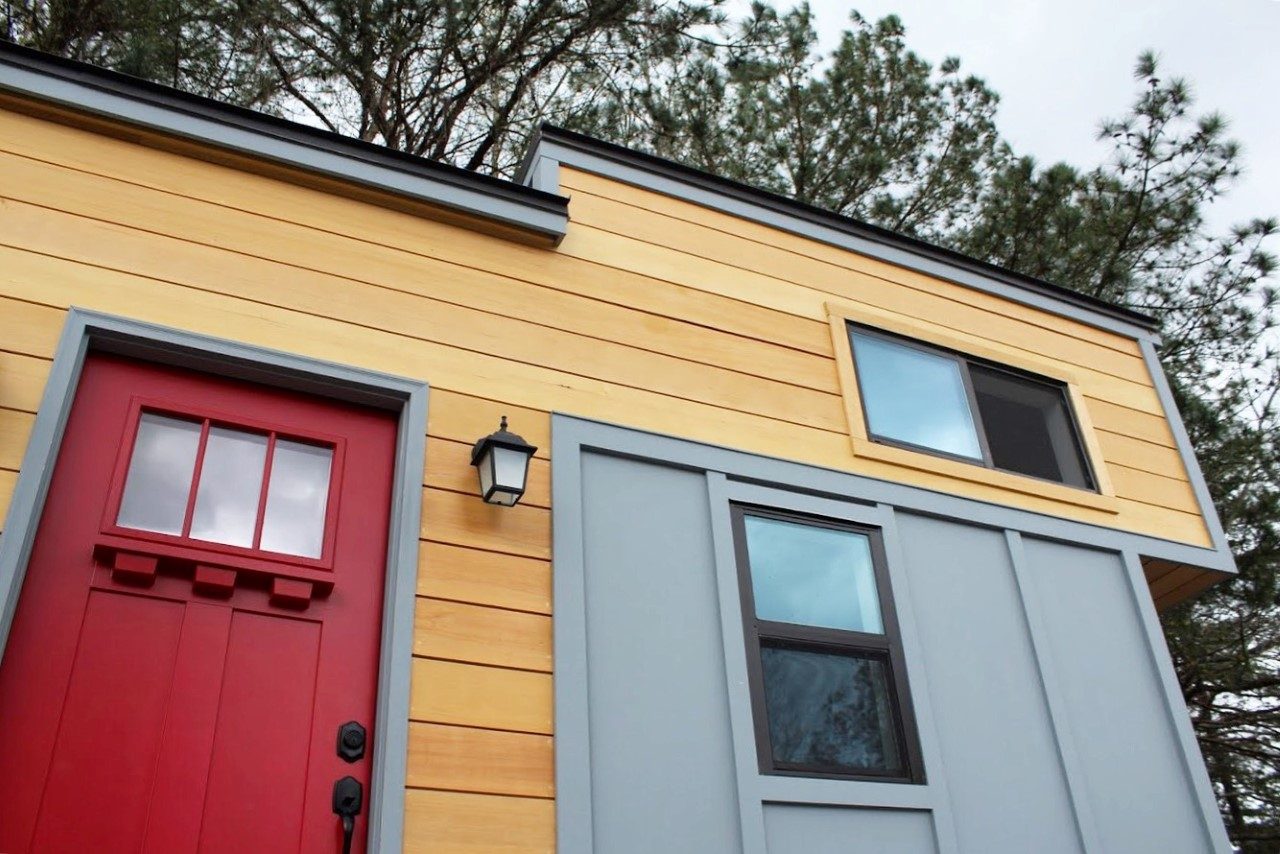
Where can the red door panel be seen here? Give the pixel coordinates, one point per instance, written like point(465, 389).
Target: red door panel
point(165, 693)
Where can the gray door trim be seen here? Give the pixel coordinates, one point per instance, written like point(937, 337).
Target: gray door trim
point(87, 331)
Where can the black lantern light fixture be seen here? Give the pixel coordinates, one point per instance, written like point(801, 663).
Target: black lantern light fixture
point(502, 461)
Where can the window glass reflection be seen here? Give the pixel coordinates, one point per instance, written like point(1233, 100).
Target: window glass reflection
point(159, 479)
point(831, 712)
point(297, 498)
point(913, 396)
point(813, 576)
point(230, 485)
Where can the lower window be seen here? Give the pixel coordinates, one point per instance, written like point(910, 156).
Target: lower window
point(828, 685)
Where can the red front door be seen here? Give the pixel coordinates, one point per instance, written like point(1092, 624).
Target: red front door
point(200, 615)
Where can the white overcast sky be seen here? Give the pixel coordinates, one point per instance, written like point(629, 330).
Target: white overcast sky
point(1060, 67)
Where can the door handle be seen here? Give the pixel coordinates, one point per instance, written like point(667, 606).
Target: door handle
point(348, 798)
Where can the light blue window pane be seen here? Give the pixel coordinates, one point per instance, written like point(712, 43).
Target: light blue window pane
point(812, 576)
point(914, 396)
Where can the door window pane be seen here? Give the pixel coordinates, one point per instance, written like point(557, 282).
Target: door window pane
point(811, 575)
point(913, 396)
point(159, 479)
point(297, 498)
point(230, 485)
point(828, 711)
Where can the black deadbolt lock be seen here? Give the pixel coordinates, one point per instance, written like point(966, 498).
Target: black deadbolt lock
point(351, 738)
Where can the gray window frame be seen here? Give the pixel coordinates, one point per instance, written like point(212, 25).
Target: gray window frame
point(886, 647)
point(963, 363)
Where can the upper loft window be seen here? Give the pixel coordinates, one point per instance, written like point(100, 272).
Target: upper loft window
point(931, 399)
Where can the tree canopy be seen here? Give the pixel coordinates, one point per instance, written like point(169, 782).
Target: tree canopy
point(871, 130)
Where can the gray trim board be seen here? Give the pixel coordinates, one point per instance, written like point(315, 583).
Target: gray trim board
point(681, 182)
point(117, 96)
point(754, 468)
point(1192, 759)
point(87, 330)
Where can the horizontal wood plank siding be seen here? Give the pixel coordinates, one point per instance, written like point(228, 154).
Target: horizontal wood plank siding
point(654, 313)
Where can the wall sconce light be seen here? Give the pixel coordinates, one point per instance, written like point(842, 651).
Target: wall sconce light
point(502, 461)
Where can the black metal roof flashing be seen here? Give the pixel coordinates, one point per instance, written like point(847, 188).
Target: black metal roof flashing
point(553, 142)
point(121, 97)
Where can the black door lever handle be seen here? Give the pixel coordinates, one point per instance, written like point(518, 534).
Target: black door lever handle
point(348, 798)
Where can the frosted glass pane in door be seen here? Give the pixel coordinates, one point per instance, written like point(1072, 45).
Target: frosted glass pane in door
point(159, 479)
point(230, 484)
point(297, 499)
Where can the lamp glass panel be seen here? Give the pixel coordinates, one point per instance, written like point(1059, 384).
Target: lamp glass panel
point(159, 479)
point(509, 468)
point(485, 470)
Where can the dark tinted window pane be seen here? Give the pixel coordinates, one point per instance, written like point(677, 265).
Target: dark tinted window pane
point(914, 396)
point(829, 712)
point(812, 575)
point(1029, 427)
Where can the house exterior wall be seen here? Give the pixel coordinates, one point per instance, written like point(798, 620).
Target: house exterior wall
point(1048, 716)
point(652, 313)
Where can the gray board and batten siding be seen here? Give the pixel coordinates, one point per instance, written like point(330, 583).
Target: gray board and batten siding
point(1048, 714)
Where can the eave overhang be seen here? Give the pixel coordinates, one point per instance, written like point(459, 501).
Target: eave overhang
point(538, 216)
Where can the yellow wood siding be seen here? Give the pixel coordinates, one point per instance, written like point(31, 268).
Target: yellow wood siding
point(654, 313)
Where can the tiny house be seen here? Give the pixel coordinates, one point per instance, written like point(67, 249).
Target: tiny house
point(800, 535)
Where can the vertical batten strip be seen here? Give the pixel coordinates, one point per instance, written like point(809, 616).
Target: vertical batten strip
point(1197, 773)
point(1064, 739)
point(944, 823)
point(742, 729)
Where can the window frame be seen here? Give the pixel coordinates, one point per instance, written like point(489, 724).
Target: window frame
point(963, 363)
point(886, 647)
point(943, 473)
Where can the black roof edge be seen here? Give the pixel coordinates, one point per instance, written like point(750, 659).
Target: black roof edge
point(253, 121)
point(857, 228)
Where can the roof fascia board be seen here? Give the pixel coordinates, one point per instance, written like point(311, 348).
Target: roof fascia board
point(115, 97)
point(552, 149)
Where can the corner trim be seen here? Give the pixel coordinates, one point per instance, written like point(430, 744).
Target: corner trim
point(87, 331)
point(1197, 773)
point(1198, 486)
point(79, 86)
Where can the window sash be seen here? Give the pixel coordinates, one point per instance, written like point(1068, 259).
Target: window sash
point(964, 362)
point(886, 646)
